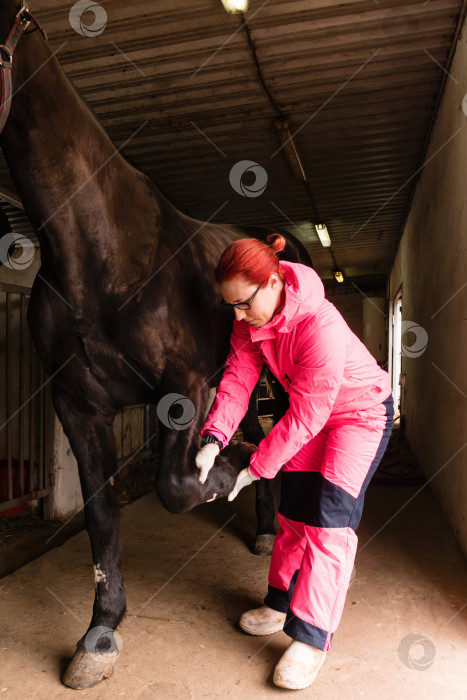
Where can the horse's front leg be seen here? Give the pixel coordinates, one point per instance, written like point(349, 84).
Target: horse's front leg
point(264, 503)
point(93, 444)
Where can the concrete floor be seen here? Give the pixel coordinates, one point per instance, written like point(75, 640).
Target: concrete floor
point(188, 579)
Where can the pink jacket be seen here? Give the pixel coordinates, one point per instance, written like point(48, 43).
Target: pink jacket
point(328, 373)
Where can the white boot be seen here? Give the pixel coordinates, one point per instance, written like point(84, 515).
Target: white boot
point(263, 620)
point(298, 666)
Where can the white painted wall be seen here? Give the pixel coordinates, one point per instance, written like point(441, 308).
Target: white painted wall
point(67, 498)
point(432, 266)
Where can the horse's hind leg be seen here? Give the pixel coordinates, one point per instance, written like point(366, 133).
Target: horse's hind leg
point(265, 534)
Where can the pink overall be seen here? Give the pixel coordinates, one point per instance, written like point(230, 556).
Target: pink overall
point(328, 444)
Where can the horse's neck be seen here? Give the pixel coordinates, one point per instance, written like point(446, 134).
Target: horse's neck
point(83, 198)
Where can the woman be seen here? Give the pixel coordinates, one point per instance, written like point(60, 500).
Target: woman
point(328, 444)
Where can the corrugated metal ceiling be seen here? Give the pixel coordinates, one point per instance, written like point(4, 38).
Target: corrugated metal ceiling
point(359, 80)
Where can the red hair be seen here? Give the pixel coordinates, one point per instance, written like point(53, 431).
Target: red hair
point(251, 259)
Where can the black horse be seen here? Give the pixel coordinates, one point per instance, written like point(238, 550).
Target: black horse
point(124, 310)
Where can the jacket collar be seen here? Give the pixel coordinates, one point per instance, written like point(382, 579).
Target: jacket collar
point(304, 293)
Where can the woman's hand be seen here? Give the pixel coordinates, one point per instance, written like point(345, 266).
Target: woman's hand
point(244, 478)
point(205, 459)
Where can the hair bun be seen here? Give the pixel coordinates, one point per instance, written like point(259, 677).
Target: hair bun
point(277, 242)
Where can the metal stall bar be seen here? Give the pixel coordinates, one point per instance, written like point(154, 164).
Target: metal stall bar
point(9, 458)
point(29, 417)
point(21, 431)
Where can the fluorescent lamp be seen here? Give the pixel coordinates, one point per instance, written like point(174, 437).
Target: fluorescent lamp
point(323, 234)
point(235, 6)
point(289, 148)
point(338, 275)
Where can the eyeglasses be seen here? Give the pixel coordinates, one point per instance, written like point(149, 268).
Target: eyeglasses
point(243, 304)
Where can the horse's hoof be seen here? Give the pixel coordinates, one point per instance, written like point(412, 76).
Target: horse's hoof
point(87, 669)
point(263, 545)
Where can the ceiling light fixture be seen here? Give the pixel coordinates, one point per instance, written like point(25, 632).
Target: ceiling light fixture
point(323, 234)
point(339, 276)
point(290, 149)
point(233, 7)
